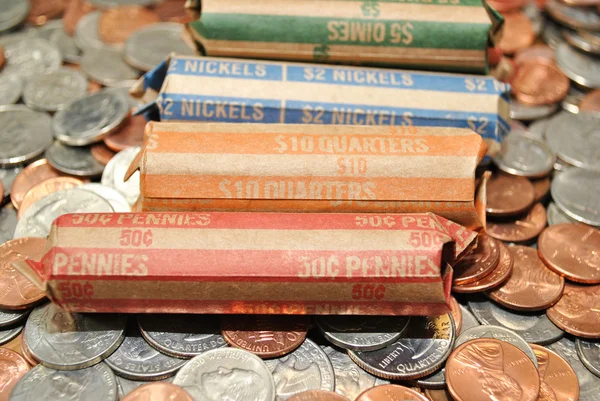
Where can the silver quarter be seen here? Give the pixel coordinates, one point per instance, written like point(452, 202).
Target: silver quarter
point(182, 336)
point(577, 193)
point(11, 87)
point(135, 359)
point(73, 160)
point(524, 155)
point(12, 13)
point(107, 67)
point(114, 197)
point(89, 119)
point(96, 383)
point(575, 138)
point(37, 220)
point(499, 333)
point(87, 37)
point(538, 128)
point(8, 223)
point(12, 317)
point(7, 334)
point(581, 68)
point(114, 173)
point(150, 46)
point(535, 328)
point(557, 216)
point(30, 57)
point(227, 374)
point(588, 383)
point(25, 134)
point(46, 30)
point(67, 46)
point(589, 354)
point(581, 42)
point(362, 333)
point(105, 4)
point(468, 319)
point(421, 350)
point(54, 90)
point(523, 112)
point(126, 386)
point(69, 341)
point(7, 176)
point(307, 368)
point(575, 17)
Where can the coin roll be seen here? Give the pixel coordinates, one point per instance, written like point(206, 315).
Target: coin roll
point(250, 263)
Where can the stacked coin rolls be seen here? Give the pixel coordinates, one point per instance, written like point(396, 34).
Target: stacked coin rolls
point(251, 263)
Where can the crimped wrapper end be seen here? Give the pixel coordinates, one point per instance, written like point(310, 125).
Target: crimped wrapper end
point(32, 270)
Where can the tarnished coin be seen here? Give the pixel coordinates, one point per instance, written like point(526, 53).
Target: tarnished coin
point(589, 354)
point(25, 134)
point(557, 378)
point(11, 87)
point(317, 395)
point(501, 199)
point(578, 311)
point(535, 328)
point(362, 333)
point(46, 188)
point(499, 275)
point(89, 119)
point(54, 90)
point(575, 138)
point(87, 37)
point(30, 57)
point(577, 193)
point(588, 383)
point(8, 223)
point(12, 13)
point(524, 155)
point(307, 368)
point(391, 392)
point(11, 317)
point(158, 391)
point(227, 374)
point(96, 383)
point(479, 263)
point(102, 153)
point(524, 112)
point(182, 336)
point(523, 229)
point(420, 351)
point(12, 368)
point(67, 46)
point(69, 341)
point(114, 197)
point(29, 177)
point(575, 17)
point(106, 66)
point(73, 160)
point(37, 220)
point(581, 68)
point(114, 174)
point(118, 23)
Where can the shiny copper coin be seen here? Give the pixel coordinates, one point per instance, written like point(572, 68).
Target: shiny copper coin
point(118, 23)
point(498, 276)
point(317, 395)
point(75, 10)
point(2, 58)
point(390, 392)
point(438, 395)
point(534, 53)
point(42, 11)
point(487, 369)
point(12, 367)
point(532, 286)
point(26, 353)
point(540, 82)
point(517, 33)
point(456, 313)
point(265, 336)
point(541, 187)
point(508, 195)
point(578, 310)
point(101, 152)
point(172, 11)
point(158, 391)
point(591, 102)
point(558, 381)
point(130, 134)
point(573, 251)
point(29, 177)
point(46, 188)
point(478, 263)
point(1, 192)
point(523, 229)
point(16, 291)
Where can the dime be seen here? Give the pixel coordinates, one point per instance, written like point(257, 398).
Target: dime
point(421, 350)
point(77, 161)
point(479, 263)
point(89, 119)
point(114, 174)
point(227, 374)
point(532, 286)
point(12, 368)
point(8, 333)
point(96, 383)
point(11, 87)
point(390, 392)
point(588, 383)
point(158, 391)
point(575, 138)
point(518, 33)
point(362, 333)
point(30, 57)
point(525, 155)
point(69, 341)
point(46, 188)
point(29, 177)
point(524, 112)
point(102, 153)
point(486, 369)
point(523, 229)
point(25, 134)
point(129, 135)
point(12, 13)
point(577, 193)
point(54, 90)
point(499, 275)
point(591, 102)
point(589, 354)
point(501, 199)
point(8, 223)
point(187, 335)
point(578, 311)
point(307, 368)
point(265, 336)
point(106, 66)
point(574, 17)
point(11, 317)
point(581, 68)
point(114, 197)
point(86, 34)
point(541, 187)
point(118, 23)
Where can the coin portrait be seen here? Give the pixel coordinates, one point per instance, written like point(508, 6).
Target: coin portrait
point(229, 384)
point(9, 374)
point(292, 376)
point(349, 378)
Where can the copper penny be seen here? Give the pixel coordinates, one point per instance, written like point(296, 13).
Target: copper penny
point(498, 276)
point(1, 192)
point(517, 33)
point(29, 177)
point(158, 391)
point(438, 395)
point(172, 11)
point(16, 291)
point(523, 229)
point(265, 336)
point(46, 188)
point(534, 53)
point(2, 58)
point(456, 313)
point(42, 11)
point(131, 134)
point(118, 23)
point(479, 263)
point(508, 195)
point(12, 367)
point(101, 152)
point(317, 395)
point(487, 369)
point(532, 286)
point(540, 82)
point(578, 310)
point(74, 11)
point(541, 187)
point(591, 102)
point(558, 381)
point(390, 392)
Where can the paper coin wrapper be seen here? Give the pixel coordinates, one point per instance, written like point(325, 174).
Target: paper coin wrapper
point(311, 168)
point(247, 91)
point(263, 263)
point(451, 35)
